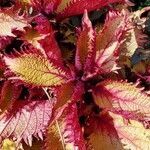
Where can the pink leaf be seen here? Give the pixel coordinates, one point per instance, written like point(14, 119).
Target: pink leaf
point(47, 6)
point(123, 98)
point(85, 53)
point(26, 119)
point(109, 40)
point(70, 131)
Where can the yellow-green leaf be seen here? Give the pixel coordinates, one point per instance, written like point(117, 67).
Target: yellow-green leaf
point(37, 70)
point(8, 145)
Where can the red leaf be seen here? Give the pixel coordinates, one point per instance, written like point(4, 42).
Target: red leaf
point(68, 130)
point(72, 131)
point(85, 53)
point(67, 94)
point(42, 36)
point(26, 119)
point(75, 7)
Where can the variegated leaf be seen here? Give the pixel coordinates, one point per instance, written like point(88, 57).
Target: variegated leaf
point(132, 133)
point(113, 131)
point(109, 39)
point(135, 37)
point(67, 94)
point(122, 97)
point(37, 70)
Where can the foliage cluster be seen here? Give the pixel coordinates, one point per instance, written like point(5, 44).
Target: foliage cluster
point(74, 75)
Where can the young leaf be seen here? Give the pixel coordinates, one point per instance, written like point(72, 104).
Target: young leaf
point(85, 53)
point(109, 40)
point(25, 119)
point(10, 20)
point(115, 95)
point(69, 8)
point(37, 70)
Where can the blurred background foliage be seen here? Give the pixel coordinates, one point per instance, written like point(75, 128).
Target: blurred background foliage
point(139, 4)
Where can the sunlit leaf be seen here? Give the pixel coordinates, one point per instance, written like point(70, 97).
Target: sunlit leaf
point(122, 96)
point(109, 39)
point(132, 134)
point(10, 20)
point(37, 70)
point(8, 145)
point(111, 130)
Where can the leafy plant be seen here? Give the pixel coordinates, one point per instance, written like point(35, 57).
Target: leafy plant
point(83, 94)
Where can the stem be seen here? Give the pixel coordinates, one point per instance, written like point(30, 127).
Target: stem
point(57, 124)
point(61, 137)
